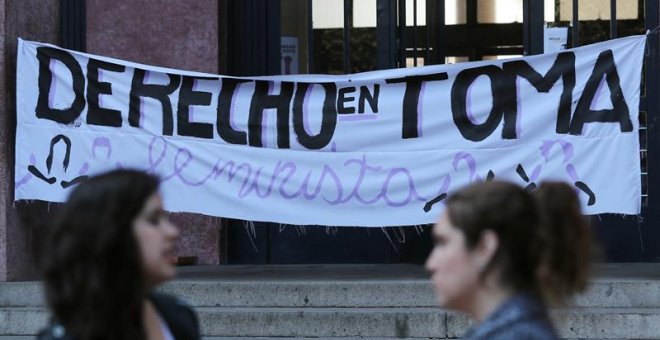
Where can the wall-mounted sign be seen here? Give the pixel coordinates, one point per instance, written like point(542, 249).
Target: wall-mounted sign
point(289, 53)
point(555, 39)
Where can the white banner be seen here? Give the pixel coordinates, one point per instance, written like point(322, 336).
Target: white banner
point(379, 148)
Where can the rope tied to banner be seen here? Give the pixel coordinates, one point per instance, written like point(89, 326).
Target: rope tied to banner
point(654, 31)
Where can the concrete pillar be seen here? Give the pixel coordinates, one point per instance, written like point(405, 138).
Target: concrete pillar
point(168, 33)
point(22, 224)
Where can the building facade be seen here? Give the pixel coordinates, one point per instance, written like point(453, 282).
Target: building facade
point(268, 37)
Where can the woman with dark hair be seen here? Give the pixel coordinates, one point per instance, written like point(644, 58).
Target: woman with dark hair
point(503, 255)
point(109, 247)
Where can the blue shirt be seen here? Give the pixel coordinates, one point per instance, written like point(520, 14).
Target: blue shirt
point(521, 317)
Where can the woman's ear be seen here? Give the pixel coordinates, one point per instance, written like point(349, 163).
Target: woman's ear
point(489, 242)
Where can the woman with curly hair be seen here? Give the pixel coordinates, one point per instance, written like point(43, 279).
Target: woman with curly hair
point(110, 246)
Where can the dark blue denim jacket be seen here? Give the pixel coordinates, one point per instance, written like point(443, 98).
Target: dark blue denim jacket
point(521, 317)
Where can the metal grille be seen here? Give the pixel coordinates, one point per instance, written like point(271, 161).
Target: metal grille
point(404, 44)
point(638, 26)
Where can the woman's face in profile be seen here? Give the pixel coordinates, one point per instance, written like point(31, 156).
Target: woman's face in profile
point(156, 237)
point(454, 268)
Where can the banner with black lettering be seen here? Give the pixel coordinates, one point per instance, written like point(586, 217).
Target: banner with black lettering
point(380, 148)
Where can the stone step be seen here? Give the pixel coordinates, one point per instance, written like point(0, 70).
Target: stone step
point(358, 301)
point(22, 320)
point(419, 322)
point(20, 337)
point(602, 293)
point(607, 323)
point(31, 337)
point(21, 294)
point(299, 338)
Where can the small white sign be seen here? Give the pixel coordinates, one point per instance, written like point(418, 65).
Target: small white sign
point(555, 39)
point(289, 55)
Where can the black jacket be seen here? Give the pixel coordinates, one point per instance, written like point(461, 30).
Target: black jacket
point(179, 317)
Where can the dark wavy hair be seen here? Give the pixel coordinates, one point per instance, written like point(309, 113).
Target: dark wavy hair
point(93, 275)
point(544, 241)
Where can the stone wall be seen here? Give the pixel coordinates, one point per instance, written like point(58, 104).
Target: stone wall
point(169, 33)
point(21, 224)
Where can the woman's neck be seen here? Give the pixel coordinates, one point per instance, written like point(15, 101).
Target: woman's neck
point(487, 299)
point(151, 320)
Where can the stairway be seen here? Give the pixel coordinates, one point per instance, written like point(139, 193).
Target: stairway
point(359, 301)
